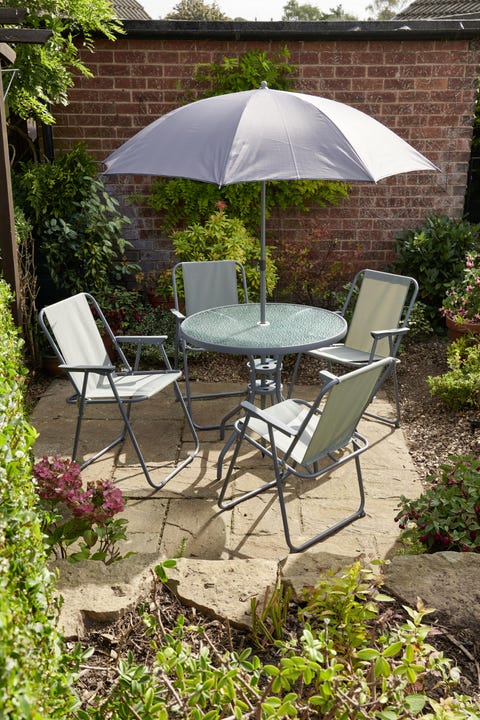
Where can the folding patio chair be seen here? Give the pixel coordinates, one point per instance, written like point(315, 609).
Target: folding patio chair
point(382, 303)
point(204, 285)
point(71, 329)
point(307, 440)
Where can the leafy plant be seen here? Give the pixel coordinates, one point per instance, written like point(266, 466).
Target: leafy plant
point(447, 515)
point(86, 251)
point(47, 71)
point(77, 517)
point(123, 309)
point(312, 269)
point(195, 10)
point(460, 386)
point(462, 301)
point(183, 202)
point(35, 672)
point(159, 284)
point(153, 321)
point(225, 238)
point(270, 618)
point(434, 254)
point(28, 286)
point(235, 74)
point(344, 658)
point(76, 224)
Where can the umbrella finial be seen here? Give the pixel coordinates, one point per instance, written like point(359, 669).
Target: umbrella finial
point(263, 85)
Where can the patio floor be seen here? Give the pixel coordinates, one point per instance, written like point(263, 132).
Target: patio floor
point(183, 518)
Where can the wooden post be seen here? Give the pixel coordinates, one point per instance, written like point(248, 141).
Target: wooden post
point(8, 242)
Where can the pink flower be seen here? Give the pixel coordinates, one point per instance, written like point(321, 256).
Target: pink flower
point(59, 481)
point(221, 205)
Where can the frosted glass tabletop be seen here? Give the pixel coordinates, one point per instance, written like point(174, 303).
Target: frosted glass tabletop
point(289, 329)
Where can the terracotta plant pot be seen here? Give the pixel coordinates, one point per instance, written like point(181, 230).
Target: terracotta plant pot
point(456, 330)
point(50, 366)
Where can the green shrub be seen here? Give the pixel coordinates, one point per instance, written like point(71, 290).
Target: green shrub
point(313, 270)
point(246, 73)
point(76, 224)
point(460, 386)
point(434, 254)
point(33, 677)
point(225, 238)
point(343, 658)
point(447, 515)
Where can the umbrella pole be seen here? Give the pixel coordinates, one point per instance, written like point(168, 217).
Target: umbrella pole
point(263, 256)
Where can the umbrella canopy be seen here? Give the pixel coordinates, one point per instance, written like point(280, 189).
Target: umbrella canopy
point(264, 134)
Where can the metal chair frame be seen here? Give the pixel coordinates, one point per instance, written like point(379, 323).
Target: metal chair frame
point(207, 284)
point(299, 437)
point(71, 329)
point(382, 304)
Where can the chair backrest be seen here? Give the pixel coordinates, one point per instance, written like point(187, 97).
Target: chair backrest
point(73, 333)
point(347, 396)
point(207, 284)
point(384, 302)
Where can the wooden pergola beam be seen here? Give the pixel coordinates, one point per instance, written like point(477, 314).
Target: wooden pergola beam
point(24, 35)
point(12, 16)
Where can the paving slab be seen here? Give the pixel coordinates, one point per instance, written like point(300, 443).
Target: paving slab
point(183, 519)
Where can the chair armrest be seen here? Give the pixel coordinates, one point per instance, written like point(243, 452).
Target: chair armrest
point(142, 339)
point(99, 369)
point(379, 334)
point(253, 411)
point(327, 376)
point(177, 313)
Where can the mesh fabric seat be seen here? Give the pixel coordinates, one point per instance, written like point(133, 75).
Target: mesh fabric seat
point(71, 329)
point(382, 303)
point(307, 440)
point(204, 285)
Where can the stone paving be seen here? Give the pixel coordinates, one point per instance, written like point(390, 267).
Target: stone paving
point(225, 557)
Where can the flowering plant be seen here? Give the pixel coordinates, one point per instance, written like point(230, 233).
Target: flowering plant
point(447, 515)
point(122, 309)
point(74, 515)
point(462, 301)
point(159, 284)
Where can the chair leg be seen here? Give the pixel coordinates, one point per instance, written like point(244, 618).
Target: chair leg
point(333, 529)
point(125, 409)
point(239, 437)
point(190, 397)
point(294, 375)
point(281, 473)
point(81, 403)
point(388, 421)
point(162, 483)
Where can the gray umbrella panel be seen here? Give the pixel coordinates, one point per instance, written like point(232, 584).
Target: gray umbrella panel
point(267, 135)
point(264, 134)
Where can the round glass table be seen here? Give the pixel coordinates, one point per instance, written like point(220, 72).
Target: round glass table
point(288, 329)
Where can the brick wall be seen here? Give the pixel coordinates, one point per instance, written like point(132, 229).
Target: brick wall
point(421, 85)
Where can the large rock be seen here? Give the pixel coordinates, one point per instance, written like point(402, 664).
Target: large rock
point(449, 582)
point(96, 594)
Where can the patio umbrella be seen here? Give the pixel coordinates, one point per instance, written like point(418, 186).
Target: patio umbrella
point(264, 134)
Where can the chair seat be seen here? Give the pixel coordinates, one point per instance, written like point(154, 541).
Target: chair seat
point(343, 354)
point(133, 386)
point(292, 414)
